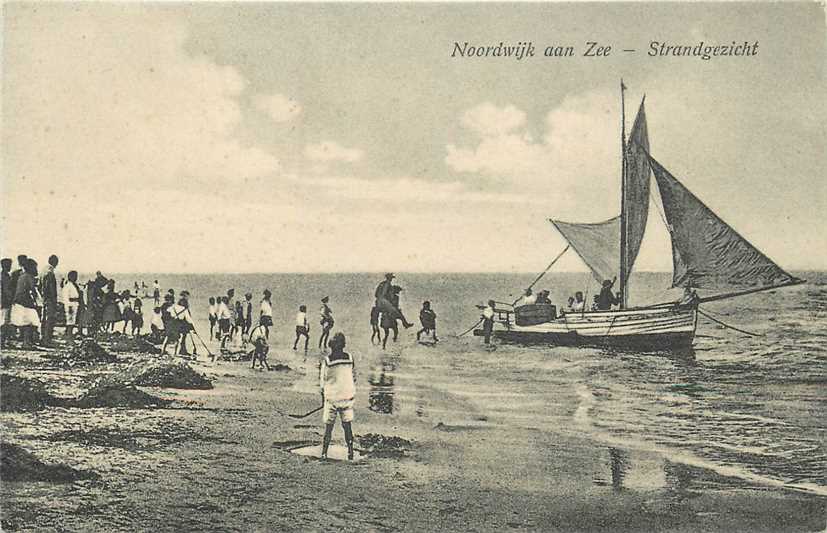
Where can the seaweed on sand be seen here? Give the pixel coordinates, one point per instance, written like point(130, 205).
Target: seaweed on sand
point(17, 464)
point(167, 374)
point(377, 445)
point(87, 351)
point(118, 395)
point(23, 394)
point(139, 344)
point(132, 439)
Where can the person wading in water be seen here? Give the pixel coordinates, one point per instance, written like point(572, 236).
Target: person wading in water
point(384, 298)
point(326, 321)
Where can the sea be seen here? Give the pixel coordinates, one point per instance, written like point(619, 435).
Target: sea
point(748, 405)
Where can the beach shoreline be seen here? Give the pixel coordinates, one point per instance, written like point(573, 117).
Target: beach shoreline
point(229, 468)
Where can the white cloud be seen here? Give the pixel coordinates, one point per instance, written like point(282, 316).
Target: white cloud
point(278, 107)
point(332, 151)
point(96, 103)
point(488, 119)
point(577, 158)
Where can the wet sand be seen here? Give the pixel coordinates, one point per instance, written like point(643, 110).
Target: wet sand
point(219, 460)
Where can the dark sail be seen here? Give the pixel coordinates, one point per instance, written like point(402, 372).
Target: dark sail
point(706, 252)
point(636, 190)
point(597, 244)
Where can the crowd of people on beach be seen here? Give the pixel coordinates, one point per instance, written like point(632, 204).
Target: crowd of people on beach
point(33, 305)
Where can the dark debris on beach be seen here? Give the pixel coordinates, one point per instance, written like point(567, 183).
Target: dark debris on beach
point(131, 439)
point(117, 395)
point(17, 464)
point(23, 394)
point(139, 344)
point(377, 445)
point(166, 373)
point(87, 351)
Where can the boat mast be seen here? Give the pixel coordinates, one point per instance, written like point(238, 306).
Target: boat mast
point(623, 273)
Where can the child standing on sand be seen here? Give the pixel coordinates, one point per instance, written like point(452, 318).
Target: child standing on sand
point(301, 327)
point(337, 381)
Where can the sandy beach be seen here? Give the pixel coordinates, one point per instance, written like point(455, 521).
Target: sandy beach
point(219, 460)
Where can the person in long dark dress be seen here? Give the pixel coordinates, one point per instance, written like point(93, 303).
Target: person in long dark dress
point(111, 311)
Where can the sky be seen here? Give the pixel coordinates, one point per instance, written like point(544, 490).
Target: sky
point(254, 137)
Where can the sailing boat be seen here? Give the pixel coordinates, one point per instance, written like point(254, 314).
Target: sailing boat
point(706, 252)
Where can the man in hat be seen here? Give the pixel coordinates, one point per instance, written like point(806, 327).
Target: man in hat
point(49, 294)
point(384, 298)
point(606, 299)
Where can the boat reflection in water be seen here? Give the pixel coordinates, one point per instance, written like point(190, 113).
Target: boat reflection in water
point(651, 472)
point(644, 472)
point(619, 465)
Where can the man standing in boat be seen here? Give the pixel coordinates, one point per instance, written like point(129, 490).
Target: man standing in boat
point(606, 299)
point(384, 298)
point(488, 321)
point(690, 297)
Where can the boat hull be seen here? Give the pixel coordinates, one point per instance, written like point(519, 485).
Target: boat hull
point(650, 329)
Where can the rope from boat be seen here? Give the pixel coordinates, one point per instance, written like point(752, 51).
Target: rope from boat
point(728, 326)
point(470, 329)
point(543, 273)
point(660, 211)
point(606, 335)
